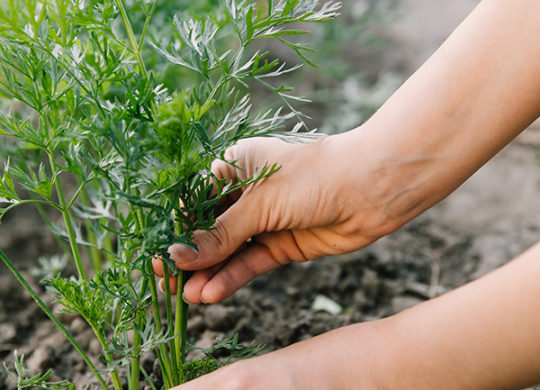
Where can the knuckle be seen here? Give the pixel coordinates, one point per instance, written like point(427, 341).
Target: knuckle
point(219, 233)
point(230, 153)
point(218, 168)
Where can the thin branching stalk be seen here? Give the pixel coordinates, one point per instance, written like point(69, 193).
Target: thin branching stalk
point(93, 252)
point(67, 220)
point(170, 323)
point(180, 327)
point(161, 351)
point(105, 346)
point(181, 313)
point(137, 339)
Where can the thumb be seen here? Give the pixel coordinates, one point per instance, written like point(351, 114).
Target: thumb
point(233, 228)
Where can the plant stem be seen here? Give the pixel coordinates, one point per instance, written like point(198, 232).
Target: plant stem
point(181, 313)
point(136, 47)
point(53, 318)
point(103, 341)
point(180, 325)
point(95, 254)
point(148, 379)
point(67, 220)
point(170, 324)
point(164, 360)
point(150, 13)
point(136, 357)
point(131, 37)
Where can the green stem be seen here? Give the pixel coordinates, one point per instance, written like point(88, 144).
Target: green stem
point(181, 314)
point(170, 323)
point(139, 324)
point(148, 379)
point(53, 318)
point(109, 250)
point(164, 361)
point(104, 345)
point(150, 13)
point(131, 37)
point(136, 47)
point(32, 201)
point(67, 221)
point(180, 325)
point(95, 254)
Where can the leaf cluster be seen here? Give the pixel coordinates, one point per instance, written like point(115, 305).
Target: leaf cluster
point(229, 347)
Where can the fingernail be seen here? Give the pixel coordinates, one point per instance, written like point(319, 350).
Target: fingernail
point(184, 298)
point(182, 253)
point(160, 286)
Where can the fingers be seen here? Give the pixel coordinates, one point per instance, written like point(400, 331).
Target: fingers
point(210, 286)
point(234, 227)
point(157, 265)
point(172, 284)
point(218, 283)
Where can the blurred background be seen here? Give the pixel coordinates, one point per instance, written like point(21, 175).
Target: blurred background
point(363, 57)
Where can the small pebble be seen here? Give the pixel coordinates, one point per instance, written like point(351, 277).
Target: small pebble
point(7, 333)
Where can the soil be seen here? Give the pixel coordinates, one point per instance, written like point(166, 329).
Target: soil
point(489, 220)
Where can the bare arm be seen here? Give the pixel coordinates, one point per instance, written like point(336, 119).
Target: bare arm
point(471, 98)
point(481, 336)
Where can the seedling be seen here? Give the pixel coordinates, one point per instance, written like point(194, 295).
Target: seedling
point(102, 136)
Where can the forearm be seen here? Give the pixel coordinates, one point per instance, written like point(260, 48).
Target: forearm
point(481, 336)
point(475, 94)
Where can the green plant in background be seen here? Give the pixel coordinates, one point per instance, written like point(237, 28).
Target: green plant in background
point(347, 88)
point(100, 135)
point(26, 380)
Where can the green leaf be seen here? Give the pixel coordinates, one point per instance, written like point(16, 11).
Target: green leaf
point(249, 23)
point(289, 7)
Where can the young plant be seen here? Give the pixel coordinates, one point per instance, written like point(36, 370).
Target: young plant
point(123, 154)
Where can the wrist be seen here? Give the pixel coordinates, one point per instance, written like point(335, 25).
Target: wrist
point(381, 184)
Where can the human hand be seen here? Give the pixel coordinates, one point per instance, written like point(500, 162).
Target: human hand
point(345, 191)
point(321, 202)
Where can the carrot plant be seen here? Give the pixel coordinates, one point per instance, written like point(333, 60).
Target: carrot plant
point(101, 136)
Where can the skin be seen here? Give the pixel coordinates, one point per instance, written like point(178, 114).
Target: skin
point(471, 98)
